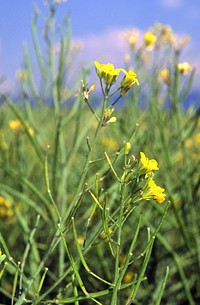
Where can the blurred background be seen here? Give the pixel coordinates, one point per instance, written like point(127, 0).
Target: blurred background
point(97, 29)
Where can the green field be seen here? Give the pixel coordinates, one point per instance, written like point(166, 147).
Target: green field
point(99, 179)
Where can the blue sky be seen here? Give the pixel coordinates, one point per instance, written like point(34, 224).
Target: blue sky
point(95, 24)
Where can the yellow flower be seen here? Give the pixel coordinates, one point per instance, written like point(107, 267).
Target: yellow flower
point(184, 68)
point(131, 36)
point(146, 57)
point(128, 81)
point(109, 143)
point(107, 72)
point(149, 39)
point(127, 57)
point(16, 126)
point(80, 240)
point(166, 32)
point(21, 75)
point(132, 40)
point(107, 117)
point(197, 138)
point(180, 42)
point(148, 165)
point(84, 91)
point(165, 76)
point(153, 191)
point(6, 209)
point(188, 143)
point(106, 235)
point(129, 276)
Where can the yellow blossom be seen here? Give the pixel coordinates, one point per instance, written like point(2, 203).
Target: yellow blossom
point(149, 39)
point(107, 117)
point(16, 126)
point(106, 235)
point(166, 35)
point(180, 42)
point(188, 143)
point(197, 138)
point(6, 209)
point(80, 240)
point(153, 191)
point(132, 41)
point(127, 57)
point(165, 76)
point(145, 57)
point(129, 277)
point(184, 68)
point(131, 36)
point(21, 75)
point(166, 32)
point(84, 91)
point(148, 165)
point(128, 81)
point(195, 156)
point(109, 143)
point(107, 72)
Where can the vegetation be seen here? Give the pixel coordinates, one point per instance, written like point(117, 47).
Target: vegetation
point(100, 204)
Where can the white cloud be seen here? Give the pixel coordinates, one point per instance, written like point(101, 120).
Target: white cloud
point(105, 46)
point(7, 86)
point(173, 4)
point(108, 47)
point(111, 46)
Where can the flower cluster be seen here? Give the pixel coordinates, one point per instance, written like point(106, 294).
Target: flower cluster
point(150, 190)
point(148, 166)
point(184, 68)
point(6, 209)
point(192, 145)
point(109, 143)
point(139, 179)
point(84, 91)
point(109, 74)
point(153, 191)
point(159, 36)
point(18, 128)
point(108, 118)
point(128, 81)
point(150, 39)
point(165, 76)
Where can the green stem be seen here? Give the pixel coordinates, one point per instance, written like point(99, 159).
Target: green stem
point(73, 204)
point(118, 247)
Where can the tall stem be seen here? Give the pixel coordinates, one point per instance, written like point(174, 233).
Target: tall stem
point(74, 202)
